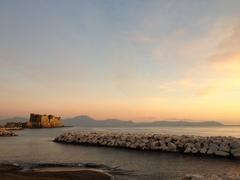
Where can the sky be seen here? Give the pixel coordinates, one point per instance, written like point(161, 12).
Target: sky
point(139, 60)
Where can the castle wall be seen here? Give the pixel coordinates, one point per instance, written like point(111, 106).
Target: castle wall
point(44, 121)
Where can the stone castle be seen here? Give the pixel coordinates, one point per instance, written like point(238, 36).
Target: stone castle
point(44, 121)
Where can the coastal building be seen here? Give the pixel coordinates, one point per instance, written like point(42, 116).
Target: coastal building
point(44, 121)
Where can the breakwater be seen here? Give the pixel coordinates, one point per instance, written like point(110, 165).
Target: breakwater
point(214, 145)
point(6, 132)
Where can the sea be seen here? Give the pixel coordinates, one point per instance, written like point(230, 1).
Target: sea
point(35, 147)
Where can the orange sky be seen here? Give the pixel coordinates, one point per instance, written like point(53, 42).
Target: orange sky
point(138, 60)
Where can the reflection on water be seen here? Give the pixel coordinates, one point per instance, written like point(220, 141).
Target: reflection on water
point(36, 146)
point(198, 131)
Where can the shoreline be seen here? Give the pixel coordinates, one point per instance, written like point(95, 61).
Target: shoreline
point(16, 172)
point(220, 146)
point(60, 171)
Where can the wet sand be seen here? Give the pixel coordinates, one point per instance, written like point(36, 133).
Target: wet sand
point(11, 172)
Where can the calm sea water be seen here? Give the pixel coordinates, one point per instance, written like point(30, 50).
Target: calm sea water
point(36, 146)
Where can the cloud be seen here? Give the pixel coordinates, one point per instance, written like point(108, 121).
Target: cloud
point(206, 91)
point(229, 49)
point(198, 66)
point(173, 86)
point(225, 61)
point(219, 73)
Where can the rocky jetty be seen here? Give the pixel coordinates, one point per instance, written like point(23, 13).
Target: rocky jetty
point(5, 132)
point(215, 145)
point(44, 121)
point(15, 125)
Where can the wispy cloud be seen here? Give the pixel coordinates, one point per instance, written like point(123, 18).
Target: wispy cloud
point(229, 49)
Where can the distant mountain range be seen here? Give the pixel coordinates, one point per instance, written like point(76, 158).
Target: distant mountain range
point(86, 121)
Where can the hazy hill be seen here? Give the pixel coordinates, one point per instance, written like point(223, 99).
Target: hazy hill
point(86, 121)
